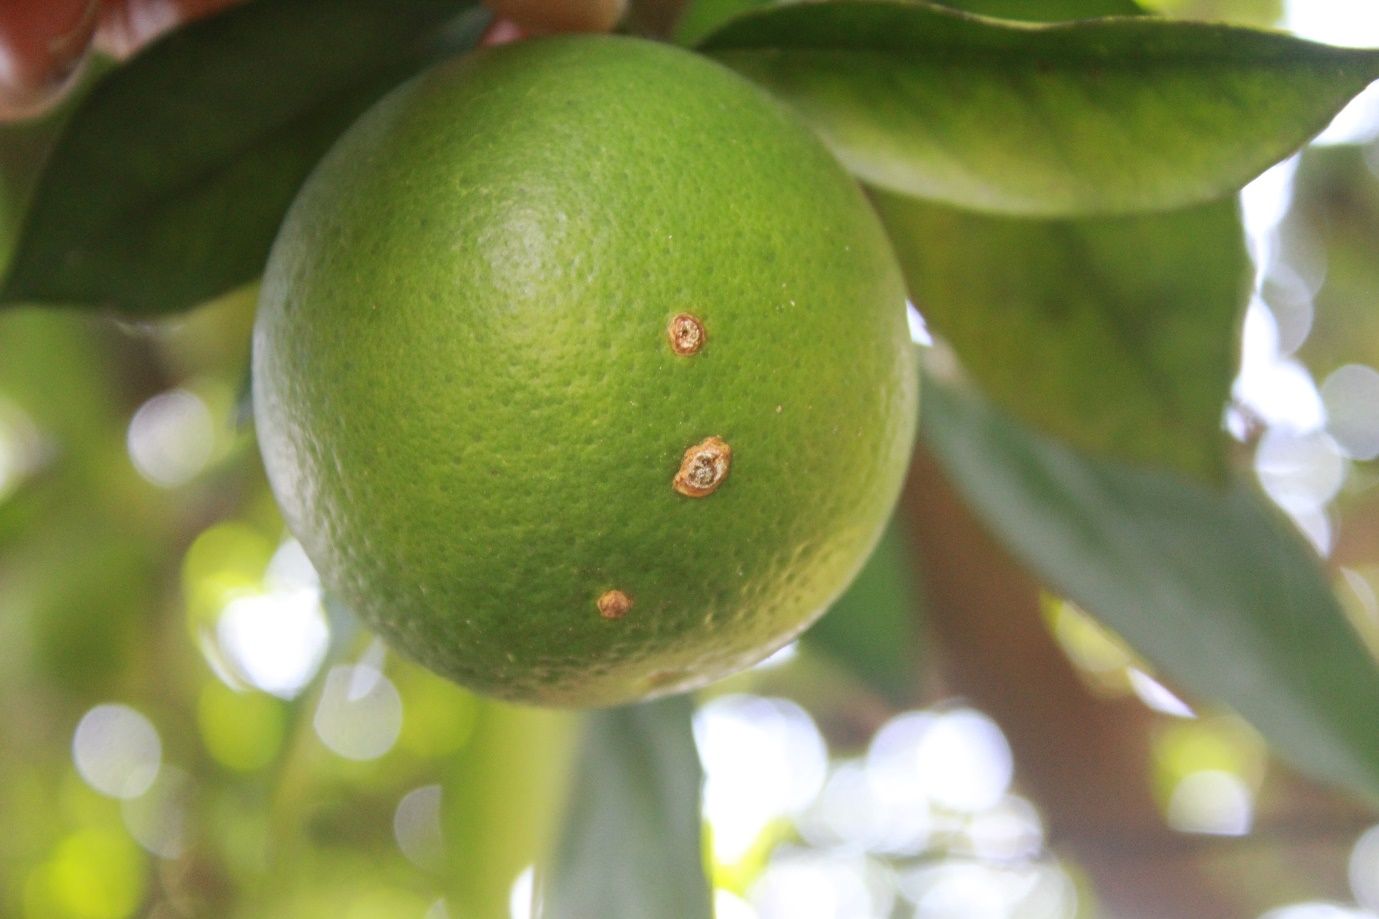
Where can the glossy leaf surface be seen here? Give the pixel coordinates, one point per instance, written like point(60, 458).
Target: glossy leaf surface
point(1101, 116)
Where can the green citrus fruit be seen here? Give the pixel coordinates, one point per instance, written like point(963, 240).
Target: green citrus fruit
point(582, 371)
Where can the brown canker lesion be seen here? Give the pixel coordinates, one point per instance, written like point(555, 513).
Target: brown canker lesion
point(703, 468)
point(614, 604)
point(686, 334)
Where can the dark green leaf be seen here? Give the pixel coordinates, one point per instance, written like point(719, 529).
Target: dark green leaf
point(630, 841)
point(1116, 333)
point(1215, 589)
point(871, 630)
point(24, 148)
point(170, 180)
point(1099, 116)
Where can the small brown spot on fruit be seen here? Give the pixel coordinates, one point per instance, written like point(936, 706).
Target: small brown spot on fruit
point(704, 467)
point(686, 334)
point(614, 604)
point(663, 678)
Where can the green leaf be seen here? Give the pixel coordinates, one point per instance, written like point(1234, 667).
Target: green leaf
point(1045, 10)
point(1215, 589)
point(1100, 116)
point(872, 629)
point(630, 843)
point(1115, 333)
point(701, 17)
point(22, 149)
point(501, 802)
point(170, 180)
point(1264, 13)
point(25, 147)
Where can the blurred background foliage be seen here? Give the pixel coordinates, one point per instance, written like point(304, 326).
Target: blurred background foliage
point(189, 727)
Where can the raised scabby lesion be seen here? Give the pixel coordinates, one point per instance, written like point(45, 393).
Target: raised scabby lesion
point(614, 604)
point(686, 334)
point(703, 468)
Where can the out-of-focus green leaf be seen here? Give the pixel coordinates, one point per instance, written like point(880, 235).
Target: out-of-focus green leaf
point(700, 17)
point(24, 148)
point(60, 367)
point(630, 845)
point(1215, 589)
point(871, 630)
point(1263, 13)
point(171, 177)
point(87, 623)
point(1100, 116)
point(1331, 235)
point(501, 803)
point(1115, 333)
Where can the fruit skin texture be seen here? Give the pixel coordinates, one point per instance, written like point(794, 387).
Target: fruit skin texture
point(471, 413)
